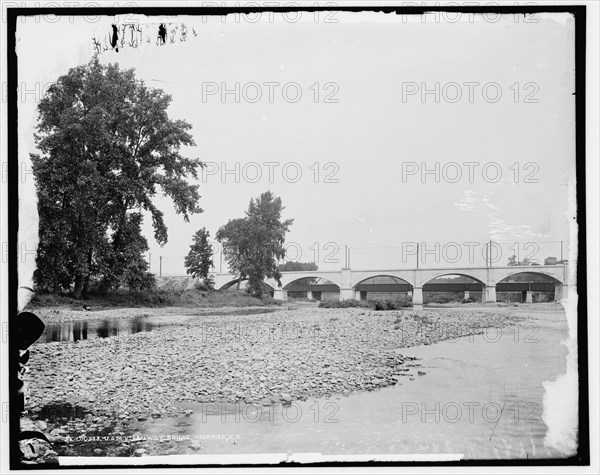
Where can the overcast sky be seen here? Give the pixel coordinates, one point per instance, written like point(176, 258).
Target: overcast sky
point(368, 131)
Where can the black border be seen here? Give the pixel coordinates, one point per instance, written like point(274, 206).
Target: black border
point(579, 13)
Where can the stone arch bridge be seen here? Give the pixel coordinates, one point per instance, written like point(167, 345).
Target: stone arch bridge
point(347, 279)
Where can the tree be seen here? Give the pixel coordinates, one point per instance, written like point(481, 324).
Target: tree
point(291, 266)
point(550, 261)
point(107, 148)
point(199, 260)
point(252, 245)
point(512, 261)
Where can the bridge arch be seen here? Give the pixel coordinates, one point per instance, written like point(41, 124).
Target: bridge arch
point(312, 287)
point(304, 281)
point(552, 278)
point(461, 274)
point(439, 288)
point(288, 278)
point(382, 287)
point(234, 282)
point(529, 286)
point(391, 276)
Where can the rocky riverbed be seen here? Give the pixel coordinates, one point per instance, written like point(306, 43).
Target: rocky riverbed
point(96, 387)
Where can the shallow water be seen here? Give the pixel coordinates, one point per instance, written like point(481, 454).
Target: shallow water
point(103, 328)
point(481, 397)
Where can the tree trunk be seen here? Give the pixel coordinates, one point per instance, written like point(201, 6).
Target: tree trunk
point(86, 280)
point(86, 286)
point(78, 286)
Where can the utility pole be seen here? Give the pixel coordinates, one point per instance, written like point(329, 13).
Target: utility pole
point(561, 252)
point(417, 255)
point(149, 261)
point(346, 261)
point(349, 258)
point(160, 266)
point(490, 248)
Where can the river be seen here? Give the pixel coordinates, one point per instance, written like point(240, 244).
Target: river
point(480, 397)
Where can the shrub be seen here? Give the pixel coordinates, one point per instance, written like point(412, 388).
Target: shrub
point(345, 304)
point(441, 298)
point(372, 304)
point(392, 304)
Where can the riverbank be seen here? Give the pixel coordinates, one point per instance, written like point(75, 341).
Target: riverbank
point(123, 304)
point(52, 315)
point(254, 359)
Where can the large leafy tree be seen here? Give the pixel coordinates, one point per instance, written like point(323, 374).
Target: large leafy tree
point(253, 245)
point(291, 266)
point(199, 260)
point(107, 148)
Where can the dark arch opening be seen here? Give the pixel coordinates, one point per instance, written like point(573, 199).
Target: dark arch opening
point(231, 286)
point(453, 288)
point(312, 288)
point(384, 287)
point(527, 287)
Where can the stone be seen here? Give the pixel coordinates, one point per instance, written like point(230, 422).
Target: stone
point(41, 425)
point(195, 445)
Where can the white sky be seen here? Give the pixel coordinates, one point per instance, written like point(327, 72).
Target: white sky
point(368, 134)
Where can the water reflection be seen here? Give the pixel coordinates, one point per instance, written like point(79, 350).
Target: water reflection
point(80, 331)
point(84, 330)
point(89, 329)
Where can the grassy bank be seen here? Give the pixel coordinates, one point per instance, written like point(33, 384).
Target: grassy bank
point(153, 298)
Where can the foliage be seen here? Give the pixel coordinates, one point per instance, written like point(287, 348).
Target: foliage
point(553, 261)
point(512, 261)
point(291, 266)
point(199, 260)
point(154, 298)
point(107, 148)
point(345, 304)
point(372, 304)
point(392, 304)
point(441, 297)
point(252, 245)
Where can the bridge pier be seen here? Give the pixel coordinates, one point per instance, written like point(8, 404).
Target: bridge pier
point(309, 295)
point(467, 295)
point(347, 294)
point(417, 296)
point(528, 296)
point(346, 290)
point(280, 294)
point(489, 294)
point(560, 292)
